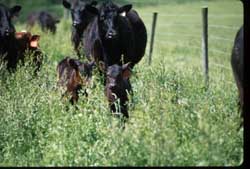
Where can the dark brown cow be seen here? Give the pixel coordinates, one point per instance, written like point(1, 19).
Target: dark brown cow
point(73, 75)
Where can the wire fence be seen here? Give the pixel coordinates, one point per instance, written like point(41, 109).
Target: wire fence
point(160, 36)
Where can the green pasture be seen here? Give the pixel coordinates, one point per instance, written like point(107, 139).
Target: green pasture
point(174, 119)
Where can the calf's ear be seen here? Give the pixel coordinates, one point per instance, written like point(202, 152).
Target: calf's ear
point(125, 9)
point(14, 11)
point(66, 4)
point(34, 41)
point(126, 70)
point(92, 9)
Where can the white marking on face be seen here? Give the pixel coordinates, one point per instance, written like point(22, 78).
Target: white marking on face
point(123, 14)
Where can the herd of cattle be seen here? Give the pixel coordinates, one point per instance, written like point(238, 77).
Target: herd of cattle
point(113, 38)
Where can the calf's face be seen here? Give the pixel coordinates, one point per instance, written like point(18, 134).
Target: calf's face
point(108, 16)
point(80, 17)
point(6, 14)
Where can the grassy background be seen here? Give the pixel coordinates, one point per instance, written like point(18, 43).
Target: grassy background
point(174, 120)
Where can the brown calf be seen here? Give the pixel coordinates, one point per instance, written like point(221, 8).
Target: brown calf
point(73, 75)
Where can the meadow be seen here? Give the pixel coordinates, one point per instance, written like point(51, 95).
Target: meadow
point(174, 119)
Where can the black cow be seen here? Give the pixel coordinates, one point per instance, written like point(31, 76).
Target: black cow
point(118, 86)
point(7, 35)
point(44, 19)
point(73, 75)
point(115, 32)
point(111, 39)
point(237, 63)
point(80, 19)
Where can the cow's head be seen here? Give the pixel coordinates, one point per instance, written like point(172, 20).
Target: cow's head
point(108, 16)
point(80, 16)
point(6, 14)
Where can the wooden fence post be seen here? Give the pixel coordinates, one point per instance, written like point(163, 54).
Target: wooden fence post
point(205, 43)
point(152, 37)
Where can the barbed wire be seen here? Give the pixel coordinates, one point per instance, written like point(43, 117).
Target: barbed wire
point(160, 36)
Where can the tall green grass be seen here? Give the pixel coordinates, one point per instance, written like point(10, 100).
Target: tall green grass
point(174, 119)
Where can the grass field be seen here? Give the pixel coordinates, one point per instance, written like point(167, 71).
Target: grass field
point(174, 120)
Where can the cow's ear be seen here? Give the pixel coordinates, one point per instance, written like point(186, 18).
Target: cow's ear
point(125, 8)
point(14, 11)
point(126, 70)
point(92, 9)
point(66, 4)
point(93, 3)
point(102, 66)
point(34, 41)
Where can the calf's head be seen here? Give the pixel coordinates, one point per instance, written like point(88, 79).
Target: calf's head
point(108, 18)
point(80, 16)
point(6, 15)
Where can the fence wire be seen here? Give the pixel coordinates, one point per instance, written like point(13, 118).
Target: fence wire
point(161, 35)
